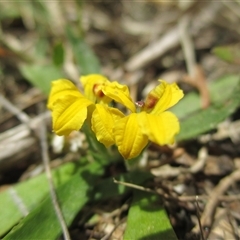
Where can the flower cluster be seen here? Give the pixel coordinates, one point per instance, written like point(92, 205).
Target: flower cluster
point(148, 120)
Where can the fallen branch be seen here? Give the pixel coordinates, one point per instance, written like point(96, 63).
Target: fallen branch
point(172, 38)
point(41, 130)
point(220, 189)
point(18, 142)
point(167, 171)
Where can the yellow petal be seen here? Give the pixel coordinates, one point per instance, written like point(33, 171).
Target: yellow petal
point(103, 120)
point(61, 88)
point(93, 84)
point(128, 136)
point(119, 93)
point(69, 113)
point(162, 97)
point(160, 129)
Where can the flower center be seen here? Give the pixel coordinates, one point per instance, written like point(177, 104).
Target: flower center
point(97, 90)
point(150, 102)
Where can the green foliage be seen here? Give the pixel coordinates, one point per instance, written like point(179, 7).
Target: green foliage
point(220, 91)
point(228, 53)
point(41, 76)
point(31, 193)
point(195, 121)
point(86, 59)
point(72, 195)
point(58, 54)
point(147, 219)
point(81, 188)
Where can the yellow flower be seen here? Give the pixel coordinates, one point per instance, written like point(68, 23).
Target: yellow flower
point(69, 106)
point(149, 122)
point(148, 119)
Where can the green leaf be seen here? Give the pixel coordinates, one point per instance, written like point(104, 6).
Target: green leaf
point(147, 219)
point(30, 193)
point(73, 195)
point(208, 119)
point(58, 54)
point(229, 53)
point(41, 49)
point(220, 91)
point(188, 105)
point(41, 76)
point(85, 57)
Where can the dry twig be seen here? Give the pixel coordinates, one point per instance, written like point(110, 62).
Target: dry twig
point(172, 38)
point(168, 171)
point(45, 156)
point(23, 117)
point(224, 184)
point(176, 198)
point(18, 142)
point(198, 80)
point(187, 44)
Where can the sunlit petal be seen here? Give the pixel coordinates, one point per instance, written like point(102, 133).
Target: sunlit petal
point(69, 113)
point(103, 121)
point(160, 129)
point(128, 136)
point(162, 97)
point(93, 84)
point(61, 88)
point(119, 93)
